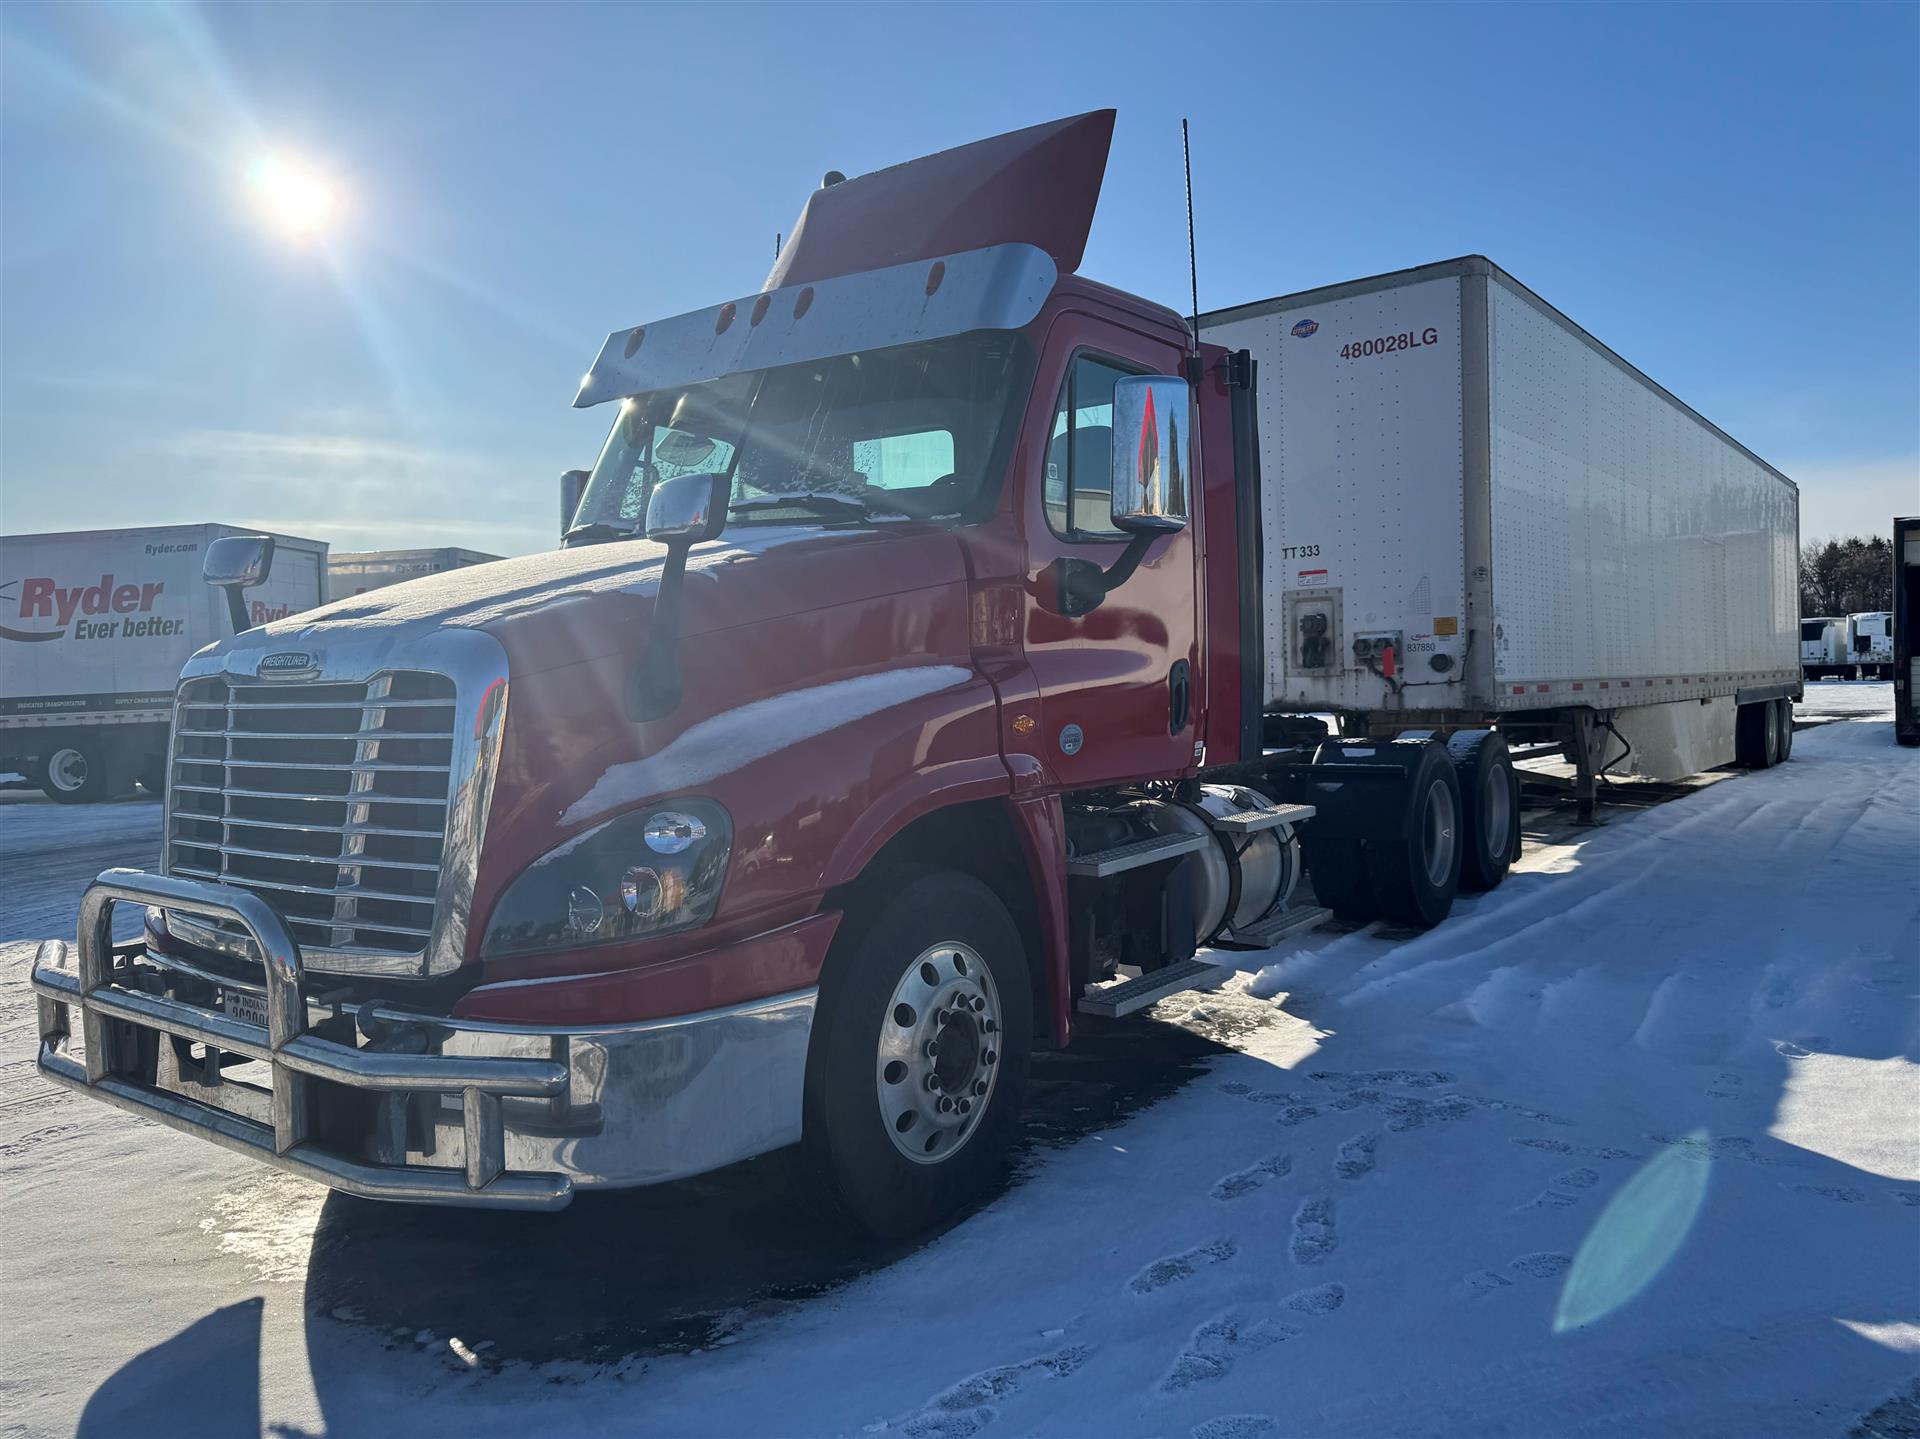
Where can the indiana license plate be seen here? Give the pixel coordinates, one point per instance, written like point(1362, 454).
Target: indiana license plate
point(245, 1007)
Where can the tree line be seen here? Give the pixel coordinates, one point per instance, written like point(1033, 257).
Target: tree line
point(1846, 576)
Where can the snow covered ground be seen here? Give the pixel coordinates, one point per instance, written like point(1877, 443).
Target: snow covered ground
point(1627, 1147)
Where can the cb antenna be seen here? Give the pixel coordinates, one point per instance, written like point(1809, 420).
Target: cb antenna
point(1193, 265)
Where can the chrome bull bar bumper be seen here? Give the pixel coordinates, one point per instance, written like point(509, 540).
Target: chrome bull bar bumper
point(112, 1014)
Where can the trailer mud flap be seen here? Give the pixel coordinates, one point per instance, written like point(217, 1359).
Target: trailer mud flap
point(1359, 788)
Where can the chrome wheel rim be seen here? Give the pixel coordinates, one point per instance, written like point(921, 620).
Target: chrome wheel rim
point(67, 770)
point(1496, 803)
point(939, 1053)
point(1439, 830)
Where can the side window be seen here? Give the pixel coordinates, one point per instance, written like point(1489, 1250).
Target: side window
point(1079, 475)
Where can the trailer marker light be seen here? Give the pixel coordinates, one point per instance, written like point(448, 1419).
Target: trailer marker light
point(634, 338)
point(936, 275)
point(725, 319)
point(759, 309)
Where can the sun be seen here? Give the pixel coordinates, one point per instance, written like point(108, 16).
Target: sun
point(294, 199)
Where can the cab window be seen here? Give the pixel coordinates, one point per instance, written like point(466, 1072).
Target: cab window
point(1079, 474)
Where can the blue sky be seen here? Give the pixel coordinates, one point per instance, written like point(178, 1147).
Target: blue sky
point(1728, 195)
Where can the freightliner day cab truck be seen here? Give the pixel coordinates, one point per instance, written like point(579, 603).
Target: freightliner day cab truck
point(921, 673)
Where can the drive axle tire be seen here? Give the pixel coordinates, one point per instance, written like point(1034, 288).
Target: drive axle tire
point(1338, 871)
point(1416, 877)
point(917, 1068)
point(1489, 807)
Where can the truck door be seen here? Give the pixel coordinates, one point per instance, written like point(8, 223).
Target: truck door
point(1120, 686)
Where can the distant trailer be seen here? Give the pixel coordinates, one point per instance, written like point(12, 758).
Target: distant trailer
point(1906, 610)
point(357, 571)
point(1823, 647)
point(1870, 644)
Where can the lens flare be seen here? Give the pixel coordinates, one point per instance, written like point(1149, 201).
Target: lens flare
point(294, 199)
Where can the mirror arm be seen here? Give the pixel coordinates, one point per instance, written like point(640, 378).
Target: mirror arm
point(1081, 585)
point(654, 685)
point(237, 609)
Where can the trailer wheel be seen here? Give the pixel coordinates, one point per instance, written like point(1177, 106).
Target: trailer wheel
point(918, 1065)
point(1338, 871)
point(1489, 805)
point(1756, 736)
point(1416, 877)
point(75, 772)
point(1783, 726)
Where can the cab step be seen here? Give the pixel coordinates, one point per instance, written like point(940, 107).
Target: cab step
point(1265, 933)
point(1251, 821)
point(1114, 1000)
point(1102, 862)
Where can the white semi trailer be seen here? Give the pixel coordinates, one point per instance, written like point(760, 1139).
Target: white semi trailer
point(354, 572)
point(94, 628)
point(1472, 511)
point(1869, 644)
point(1823, 646)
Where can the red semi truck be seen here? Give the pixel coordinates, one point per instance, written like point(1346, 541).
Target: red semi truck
point(898, 695)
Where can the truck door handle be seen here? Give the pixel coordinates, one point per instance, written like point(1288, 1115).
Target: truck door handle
point(1179, 696)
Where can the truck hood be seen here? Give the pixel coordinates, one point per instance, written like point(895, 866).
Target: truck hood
point(564, 607)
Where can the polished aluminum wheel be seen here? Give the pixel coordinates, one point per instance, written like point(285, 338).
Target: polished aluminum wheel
point(939, 1052)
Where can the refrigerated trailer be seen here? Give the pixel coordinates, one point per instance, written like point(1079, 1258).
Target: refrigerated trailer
point(95, 626)
point(1869, 644)
point(1906, 613)
point(841, 758)
point(1823, 646)
point(354, 572)
point(1473, 511)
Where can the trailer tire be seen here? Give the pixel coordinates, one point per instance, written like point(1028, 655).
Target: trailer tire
point(1416, 877)
point(1338, 871)
point(1489, 807)
point(1755, 736)
point(897, 1136)
point(1783, 730)
point(74, 771)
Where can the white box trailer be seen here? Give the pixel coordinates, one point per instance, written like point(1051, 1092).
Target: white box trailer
point(1472, 509)
point(1869, 644)
point(354, 572)
point(95, 626)
point(1823, 645)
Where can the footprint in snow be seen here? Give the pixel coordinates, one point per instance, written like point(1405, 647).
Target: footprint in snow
point(1563, 1190)
point(1175, 1267)
point(1314, 1236)
point(1245, 1181)
point(1908, 1197)
point(1355, 1159)
point(1229, 1337)
point(1541, 1266)
point(967, 1407)
point(1483, 1282)
point(1725, 1086)
point(1838, 1193)
point(1236, 1426)
point(1560, 1146)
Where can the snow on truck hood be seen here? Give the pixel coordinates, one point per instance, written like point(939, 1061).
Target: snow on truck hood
point(563, 606)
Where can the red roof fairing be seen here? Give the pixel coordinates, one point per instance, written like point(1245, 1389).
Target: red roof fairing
point(1036, 186)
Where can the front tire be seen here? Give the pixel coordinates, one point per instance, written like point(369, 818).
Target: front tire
point(918, 1065)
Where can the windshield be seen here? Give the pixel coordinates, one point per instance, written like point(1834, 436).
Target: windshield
point(909, 431)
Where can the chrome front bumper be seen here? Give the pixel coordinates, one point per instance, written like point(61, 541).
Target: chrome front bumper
point(391, 1104)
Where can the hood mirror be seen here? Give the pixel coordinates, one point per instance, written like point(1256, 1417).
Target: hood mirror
point(685, 511)
point(234, 563)
point(688, 509)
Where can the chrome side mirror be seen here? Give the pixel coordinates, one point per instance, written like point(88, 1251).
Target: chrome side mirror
point(684, 511)
point(1152, 454)
point(688, 509)
point(573, 484)
point(234, 563)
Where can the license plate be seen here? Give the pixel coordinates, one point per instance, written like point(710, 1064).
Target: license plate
point(245, 1007)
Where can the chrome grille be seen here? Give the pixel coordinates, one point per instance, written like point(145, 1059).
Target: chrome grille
point(328, 800)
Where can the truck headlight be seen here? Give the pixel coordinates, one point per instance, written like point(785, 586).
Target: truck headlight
point(648, 872)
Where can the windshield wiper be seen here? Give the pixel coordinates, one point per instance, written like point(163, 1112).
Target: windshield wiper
point(800, 499)
point(599, 530)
